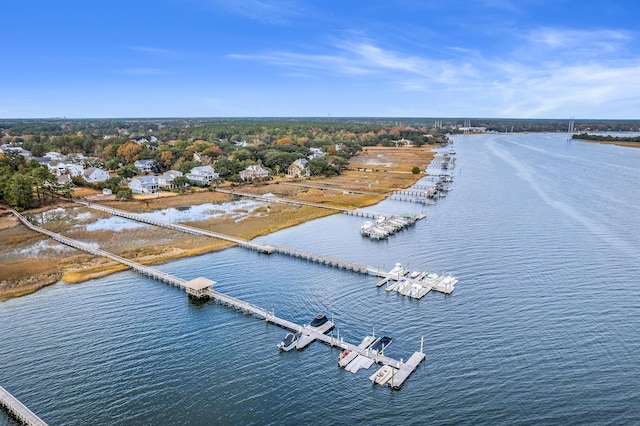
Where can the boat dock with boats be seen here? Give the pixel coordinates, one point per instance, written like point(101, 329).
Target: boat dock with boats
point(388, 225)
point(202, 288)
point(416, 284)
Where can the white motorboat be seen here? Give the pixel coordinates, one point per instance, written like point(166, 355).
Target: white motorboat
point(289, 341)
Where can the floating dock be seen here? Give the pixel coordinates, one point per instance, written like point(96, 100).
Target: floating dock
point(387, 225)
point(392, 373)
point(18, 410)
point(415, 284)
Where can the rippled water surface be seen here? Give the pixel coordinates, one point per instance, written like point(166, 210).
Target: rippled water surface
point(543, 327)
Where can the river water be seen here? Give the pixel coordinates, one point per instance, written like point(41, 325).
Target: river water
point(543, 327)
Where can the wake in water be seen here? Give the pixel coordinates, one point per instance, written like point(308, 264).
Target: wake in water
point(595, 227)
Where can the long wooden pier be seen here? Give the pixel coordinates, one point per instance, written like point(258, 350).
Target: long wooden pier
point(336, 188)
point(177, 227)
point(219, 297)
point(18, 409)
point(274, 199)
point(261, 248)
point(145, 270)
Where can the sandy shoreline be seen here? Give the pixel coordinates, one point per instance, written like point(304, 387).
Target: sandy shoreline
point(32, 261)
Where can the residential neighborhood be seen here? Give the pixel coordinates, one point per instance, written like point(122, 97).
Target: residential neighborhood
point(135, 158)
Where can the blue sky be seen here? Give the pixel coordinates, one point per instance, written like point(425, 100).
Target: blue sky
point(402, 58)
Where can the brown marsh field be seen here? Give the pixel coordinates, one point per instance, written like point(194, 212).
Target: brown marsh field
point(31, 261)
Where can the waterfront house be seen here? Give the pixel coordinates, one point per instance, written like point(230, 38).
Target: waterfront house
point(165, 180)
point(298, 169)
point(254, 172)
point(94, 174)
point(202, 175)
point(144, 185)
point(146, 166)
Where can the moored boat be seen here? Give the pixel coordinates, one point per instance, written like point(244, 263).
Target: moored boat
point(319, 320)
point(383, 375)
point(381, 343)
point(289, 341)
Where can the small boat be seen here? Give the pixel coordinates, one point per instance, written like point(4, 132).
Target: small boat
point(383, 375)
point(319, 320)
point(366, 226)
point(381, 343)
point(289, 341)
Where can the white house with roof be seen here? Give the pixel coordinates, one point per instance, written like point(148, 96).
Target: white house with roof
point(15, 150)
point(202, 175)
point(298, 169)
point(94, 174)
point(55, 156)
point(144, 185)
point(76, 158)
point(146, 166)
point(316, 153)
point(253, 172)
point(74, 169)
point(165, 180)
point(403, 142)
point(57, 167)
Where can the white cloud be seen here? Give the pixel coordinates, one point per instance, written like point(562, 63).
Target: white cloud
point(266, 11)
point(595, 41)
point(357, 58)
point(154, 51)
point(532, 80)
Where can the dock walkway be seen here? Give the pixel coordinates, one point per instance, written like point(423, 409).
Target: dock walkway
point(145, 270)
point(219, 297)
point(261, 248)
point(274, 199)
point(18, 409)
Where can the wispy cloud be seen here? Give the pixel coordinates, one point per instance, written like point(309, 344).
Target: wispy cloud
point(157, 52)
point(595, 41)
point(549, 91)
point(363, 57)
point(279, 12)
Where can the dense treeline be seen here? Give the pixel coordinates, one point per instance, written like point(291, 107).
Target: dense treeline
point(233, 129)
point(229, 145)
point(606, 138)
point(25, 184)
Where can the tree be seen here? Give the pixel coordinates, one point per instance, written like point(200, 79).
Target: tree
point(124, 194)
point(127, 171)
point(181, 182)
point(20, 191)
point(130, 152)
point(415, 170)
point(166, 159)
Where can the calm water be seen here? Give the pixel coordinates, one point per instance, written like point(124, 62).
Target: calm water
point(543, 328)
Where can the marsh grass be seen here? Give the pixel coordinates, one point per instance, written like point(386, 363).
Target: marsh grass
point(378, 170)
